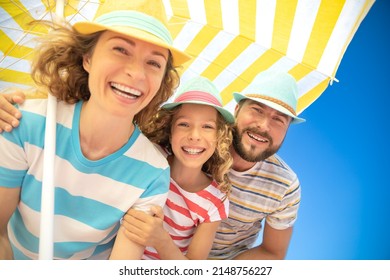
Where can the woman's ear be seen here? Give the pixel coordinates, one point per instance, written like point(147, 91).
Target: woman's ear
point(86, 62)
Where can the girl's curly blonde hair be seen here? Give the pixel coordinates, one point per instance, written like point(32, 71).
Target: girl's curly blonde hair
point(57, 66)
point(218, 165)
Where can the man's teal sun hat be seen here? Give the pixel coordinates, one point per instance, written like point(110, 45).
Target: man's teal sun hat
point(275, 89)
point(202, 91)
point(141, 19)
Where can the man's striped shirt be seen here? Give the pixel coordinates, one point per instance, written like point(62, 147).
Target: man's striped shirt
point(270, 190)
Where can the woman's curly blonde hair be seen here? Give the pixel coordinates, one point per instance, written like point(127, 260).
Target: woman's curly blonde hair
point(57, 66)
point(218, 165)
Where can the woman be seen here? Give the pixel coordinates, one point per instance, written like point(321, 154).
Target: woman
point(109, 77)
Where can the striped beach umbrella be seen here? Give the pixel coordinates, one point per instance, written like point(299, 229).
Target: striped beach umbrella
point(231, 41)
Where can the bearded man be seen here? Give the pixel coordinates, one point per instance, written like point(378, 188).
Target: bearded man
point(264, 187)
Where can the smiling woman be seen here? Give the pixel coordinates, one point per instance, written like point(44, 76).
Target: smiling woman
point(136, 66)
point(91, 74)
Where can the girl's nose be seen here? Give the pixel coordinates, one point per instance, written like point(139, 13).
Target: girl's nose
point(194, 134)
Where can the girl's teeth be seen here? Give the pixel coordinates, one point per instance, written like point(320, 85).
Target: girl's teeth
point(193, 151)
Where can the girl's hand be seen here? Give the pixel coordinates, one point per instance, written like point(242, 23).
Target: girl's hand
point(145, 229)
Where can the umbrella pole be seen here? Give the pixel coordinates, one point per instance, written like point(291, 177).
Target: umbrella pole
point(47, 199)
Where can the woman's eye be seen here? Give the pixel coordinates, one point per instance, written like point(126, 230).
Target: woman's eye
point(155, 64)
point(121, 50)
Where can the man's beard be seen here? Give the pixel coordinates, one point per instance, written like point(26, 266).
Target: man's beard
point(249, 155)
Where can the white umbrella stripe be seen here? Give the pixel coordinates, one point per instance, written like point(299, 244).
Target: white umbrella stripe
point(304, 19)
point(265, 17)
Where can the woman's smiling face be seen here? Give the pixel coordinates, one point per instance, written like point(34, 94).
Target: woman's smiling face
point(124, 73)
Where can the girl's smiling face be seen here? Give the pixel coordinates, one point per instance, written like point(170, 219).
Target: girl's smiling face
point(194, 134)
point(124, 73)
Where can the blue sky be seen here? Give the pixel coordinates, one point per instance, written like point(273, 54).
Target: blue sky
point(341, 155)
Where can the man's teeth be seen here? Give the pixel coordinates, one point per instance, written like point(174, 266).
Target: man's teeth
point(125, 91)
point(256, 138)
point(193, 151)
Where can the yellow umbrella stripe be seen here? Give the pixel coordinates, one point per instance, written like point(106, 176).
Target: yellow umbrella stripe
point(71, 8)
point(284, 17)
point(13, 76)
point(213, 13)
point(326, 19)
point(175, 25)
point(201, 40)
point(22, 16)
point(234, 48)
point(9, 48)
point(308, 98)
point(266, 60)
point(18, 12)
point(247, 15)
point(299, 71)
point(180, 8)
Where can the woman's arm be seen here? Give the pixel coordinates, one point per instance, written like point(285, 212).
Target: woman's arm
point(9, 199)
point(125, 249)
point(9, 115)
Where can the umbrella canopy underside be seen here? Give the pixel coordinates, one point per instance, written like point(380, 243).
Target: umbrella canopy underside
point(231, 41)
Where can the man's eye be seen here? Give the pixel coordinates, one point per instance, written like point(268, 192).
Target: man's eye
point(256, 109)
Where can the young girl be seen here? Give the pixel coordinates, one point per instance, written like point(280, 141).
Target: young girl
point(109, 77)
point(195, 135)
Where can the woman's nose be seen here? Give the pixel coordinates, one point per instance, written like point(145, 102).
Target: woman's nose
point(135, 69)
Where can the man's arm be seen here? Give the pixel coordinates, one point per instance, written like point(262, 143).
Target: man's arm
point(9, 115)
point(9, 199)
point(274, 246)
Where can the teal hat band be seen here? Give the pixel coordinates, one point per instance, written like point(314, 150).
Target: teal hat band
point(136, 20)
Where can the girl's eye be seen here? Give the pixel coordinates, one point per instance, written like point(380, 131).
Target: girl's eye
point(208, 126)
point(183, 124)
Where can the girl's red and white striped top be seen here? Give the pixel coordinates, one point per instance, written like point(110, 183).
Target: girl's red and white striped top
point(184, 211)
